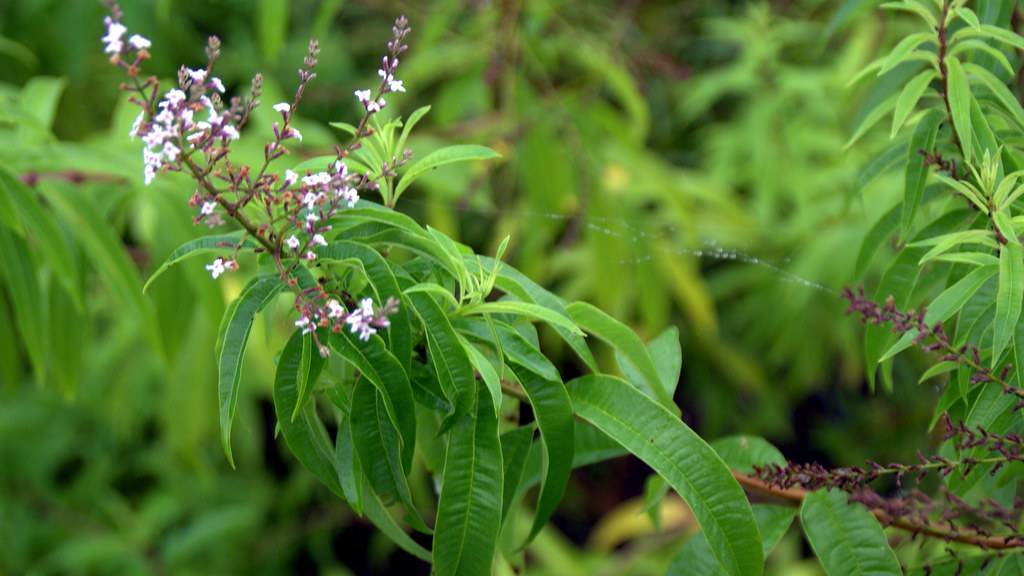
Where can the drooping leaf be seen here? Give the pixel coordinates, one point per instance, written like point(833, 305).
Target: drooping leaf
point(215, 243)
point(909, 97)
point(1008, 298)
point(515, 449)
point(231, 341)
point(959, 94)
point(668, 360)
point(742, 453)
point(620, 337)
point(846, 538)
point(916, 174)
point(682, 458)
point(442, 157)
point(450, 359)
point(553, 412)
point(23, 290)
point(469, 508)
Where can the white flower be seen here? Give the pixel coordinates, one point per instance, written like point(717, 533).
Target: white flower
point(340, 168)
point(383, 74)
point(363, 95)
point(171, 152)
point(231, 132)
point(216, 268)
point(197, 74)
point(115, 31)
point(292, 242)
point(310, 199)
point(334, 309)
point(139, 42)
point(318, 240)
point(350, 195)
point(217, 84)
point(294, 133)
point(396, 86)
point(311, 218)
point(208, 208)
point(376, 106)
point(305, 324)
point(310, 255)
point(360, 320)
point(173, 97)
point(290, 178)
point(283, 107)
point(136, 125)
point(317, 179)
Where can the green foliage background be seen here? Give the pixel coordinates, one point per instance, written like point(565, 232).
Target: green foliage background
point(674, 163)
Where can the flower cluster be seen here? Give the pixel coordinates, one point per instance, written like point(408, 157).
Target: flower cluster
point(190, 129)
point(364, 319)
point(388, 67)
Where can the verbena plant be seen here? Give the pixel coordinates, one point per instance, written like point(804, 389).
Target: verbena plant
point(411, 353)
point(415, 352)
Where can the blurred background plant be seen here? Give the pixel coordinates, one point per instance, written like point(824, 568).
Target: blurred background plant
point(677, 163)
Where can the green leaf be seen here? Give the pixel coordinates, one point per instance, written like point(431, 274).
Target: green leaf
point(695, 558)
point(916, 174)
point(742, 453)
point(968, 16)
point(686, 462)
point(40, 97)
point(515, 449)
point(870, 119)
point(377, 444)
point(450, 359)
point(903, 49)
point(518, 349)
point(107, 255)
point(514, 282)
point(553, 412)
point(442, 157)
point(937, 370)
point(980, 45)
point(377, 514)
point(909, 97)
point(994, 32)
point(40, 228)
point(199, 246)
point(959, 95)
point(407, 127)
point(383, 370)
point(667, 356)
point(952, 299)
point(306, 437)
point(24, 292)
point(845, 536)
point(487, 373)
point(998, 89)
point(232, 338)
point(1008, 298)
point(620, 337)
point(524, 309)
point(878, 233)
point(469, 508)
point(881, 163)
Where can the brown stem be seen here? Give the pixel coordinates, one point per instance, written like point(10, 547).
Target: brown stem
point(796, 496)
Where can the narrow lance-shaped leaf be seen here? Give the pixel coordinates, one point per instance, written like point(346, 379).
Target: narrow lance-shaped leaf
point(442, 157)
point(469, 508)
point(450, 360)
point(553, 412)
point(306, 437)
point(620, 337)
point(683, 459)
point(916, 174)
point(515, 448)
point(696, 559)
point(23, 289)
point(1008, 298)
point(907, 101)
point(231, 341)
point(959, 94)
point(845, 537)
point(198, 247)
point(383, 371)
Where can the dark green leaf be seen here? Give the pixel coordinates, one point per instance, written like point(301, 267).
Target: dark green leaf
point(846, 538)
